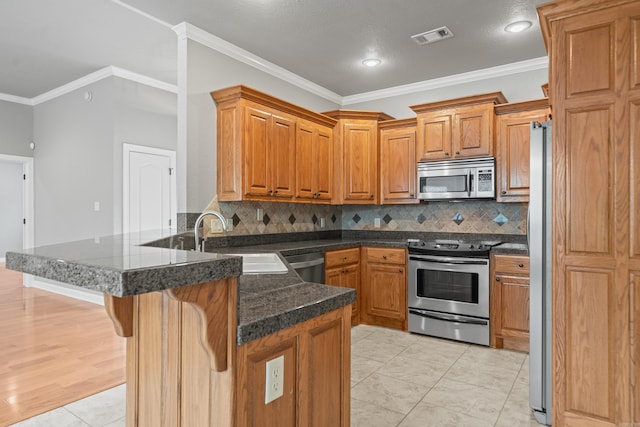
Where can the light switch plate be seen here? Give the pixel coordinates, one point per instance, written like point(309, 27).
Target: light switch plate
point(275, 379)
point(376, 222)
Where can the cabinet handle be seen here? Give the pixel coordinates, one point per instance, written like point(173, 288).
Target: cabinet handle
point(457, 152)
point(344, 258)
point(371, 196)
point(503, 192)
point(275, 192)
point(400, 270)
point(384, 257)
point(497, 278)
point(521, 265)
point(446, 153)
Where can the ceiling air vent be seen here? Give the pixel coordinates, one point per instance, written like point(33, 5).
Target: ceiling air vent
point(433, 36)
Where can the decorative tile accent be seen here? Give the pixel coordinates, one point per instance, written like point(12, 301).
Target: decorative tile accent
point(266, 219)
point(333, 218)
point(356, 218)
point(501, 220)
point(236, 220)
point(314, 219)
point(421, 218)
point(457, 218)
point(387, 219)
point(292, 219)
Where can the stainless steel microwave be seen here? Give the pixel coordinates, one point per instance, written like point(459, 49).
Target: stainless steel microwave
point(457, 179)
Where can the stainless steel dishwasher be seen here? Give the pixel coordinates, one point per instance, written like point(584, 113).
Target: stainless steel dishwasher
point(310, 267)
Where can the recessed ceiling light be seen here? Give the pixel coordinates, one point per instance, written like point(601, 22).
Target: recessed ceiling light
point(372, 62)
point(518, 26)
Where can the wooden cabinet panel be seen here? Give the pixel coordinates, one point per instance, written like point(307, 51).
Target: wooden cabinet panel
point(384, 287)
point(590, 165)
point(456, 128)
point(323, 159)
point(342, 268)
point(434, 137)
point(282, 157)
point(512, 147)
point(360, 161)
point(304, 156)
point(634, 158)
point(257, 152)
point(314, 163)
point(398, 163)
point(229, 153)
point(635, 56)
point(635, 319)
point(590, 59)
point(509, 304)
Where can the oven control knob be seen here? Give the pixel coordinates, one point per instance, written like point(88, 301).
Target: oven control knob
point(470, 246)
point(424, 244)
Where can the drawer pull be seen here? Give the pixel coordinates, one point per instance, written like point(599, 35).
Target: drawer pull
point(497, 278)
point(521, 265)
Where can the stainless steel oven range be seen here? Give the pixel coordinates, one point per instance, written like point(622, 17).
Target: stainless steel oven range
point(449, 289)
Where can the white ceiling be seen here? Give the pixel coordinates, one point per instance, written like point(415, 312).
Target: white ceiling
point(45, 44)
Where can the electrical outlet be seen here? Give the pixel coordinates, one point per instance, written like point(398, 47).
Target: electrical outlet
point(229, 224)
point(96, 206)
point(323, 224)
point(376, 222)
point(259, 214)
point(274, 383)
point(215, 226)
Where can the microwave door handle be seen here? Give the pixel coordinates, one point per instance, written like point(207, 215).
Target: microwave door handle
point(455, 319)
point(468, 182)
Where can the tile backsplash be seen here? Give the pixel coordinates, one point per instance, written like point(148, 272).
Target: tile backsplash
point(487, 217)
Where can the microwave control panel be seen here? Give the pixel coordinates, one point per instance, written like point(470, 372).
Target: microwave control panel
point(485, 180)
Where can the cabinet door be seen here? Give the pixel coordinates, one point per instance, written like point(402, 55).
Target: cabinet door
point(304, 162)
point(282, 152)
point(472, 132)
point(256, 153)
point(351, 279)
point(360, 162)
point(385, 295)
point(434, 137)
point(512, 154)
point(323, 161)
point(514, 311)
point(398, 166)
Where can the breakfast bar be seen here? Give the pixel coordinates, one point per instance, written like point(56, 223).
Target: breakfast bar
point(189, 362)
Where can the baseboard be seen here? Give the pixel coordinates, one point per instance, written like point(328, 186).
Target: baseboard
point(64, 289)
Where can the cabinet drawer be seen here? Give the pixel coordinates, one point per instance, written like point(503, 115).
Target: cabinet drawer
point(516, 264)
point(341, 257)
point(386, 255)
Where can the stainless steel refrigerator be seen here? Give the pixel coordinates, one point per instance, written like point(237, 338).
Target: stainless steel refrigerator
point(539, 239)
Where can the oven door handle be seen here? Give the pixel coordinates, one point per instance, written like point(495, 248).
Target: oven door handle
point(449, 261)
point(454, 319)
point(469, 183)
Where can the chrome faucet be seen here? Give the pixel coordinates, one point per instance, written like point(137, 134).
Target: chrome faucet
point(223, 221)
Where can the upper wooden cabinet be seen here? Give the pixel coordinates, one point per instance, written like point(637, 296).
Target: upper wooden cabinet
point(257, 139)
point(398, 161)
point(356, 155)
point(512, 147)
point(456, 128)
point(314, 163)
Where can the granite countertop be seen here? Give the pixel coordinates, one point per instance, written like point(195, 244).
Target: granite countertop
point(120, 266)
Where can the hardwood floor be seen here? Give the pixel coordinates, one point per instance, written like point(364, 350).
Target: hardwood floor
point(53, 350)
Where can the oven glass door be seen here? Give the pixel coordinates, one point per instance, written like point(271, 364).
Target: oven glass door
point(449, 285)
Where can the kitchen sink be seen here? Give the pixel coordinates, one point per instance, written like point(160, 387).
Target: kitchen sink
point(265, 263)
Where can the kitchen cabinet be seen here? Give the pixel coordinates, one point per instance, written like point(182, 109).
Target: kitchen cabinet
point(456, 128)
point(594, 88)
point(356, 156)
point(509, 302)
point(314, 163)
point(512, 147)
point(342, 268)
point(256, 146)
point(384, 287)
point(398, 161)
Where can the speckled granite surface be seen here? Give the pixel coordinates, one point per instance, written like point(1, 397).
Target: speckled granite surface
point(119, 266)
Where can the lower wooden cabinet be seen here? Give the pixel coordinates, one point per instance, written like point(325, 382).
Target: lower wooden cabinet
point(510, 302)
point(317, 379)
point(384, 287)
point(342, 268)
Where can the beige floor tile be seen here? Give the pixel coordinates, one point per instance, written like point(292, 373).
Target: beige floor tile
point(365, 414)
point(426, 415)
point(376, 350)
point(361, 331)
point(424, 372)
point(101, 409)
point(436, 351)
point(389, 393)
point(395, 337)
point(468, 399)
point(362, 367)
point(516, 413)
point(479, 372)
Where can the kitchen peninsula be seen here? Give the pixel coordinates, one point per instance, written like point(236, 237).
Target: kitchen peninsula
point(190, 359)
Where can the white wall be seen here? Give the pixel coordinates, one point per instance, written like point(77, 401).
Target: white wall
point(78, 154)
point(11, 211)
point(16, 129)
point(515, 87)
point(209, 70)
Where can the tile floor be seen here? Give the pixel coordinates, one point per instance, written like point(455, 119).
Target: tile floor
point(397, 379)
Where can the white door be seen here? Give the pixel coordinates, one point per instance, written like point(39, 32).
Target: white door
point(151, 190)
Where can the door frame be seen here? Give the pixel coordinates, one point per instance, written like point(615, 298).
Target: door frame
point(126, 150)
point(28, 213)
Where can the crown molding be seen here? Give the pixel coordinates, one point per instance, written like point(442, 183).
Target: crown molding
point(142, 13)
point(471, 76)
point(142, 79)
point(15, 99)
point(196, 34)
